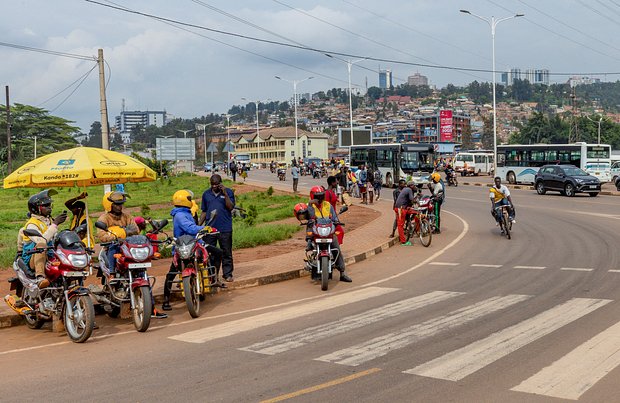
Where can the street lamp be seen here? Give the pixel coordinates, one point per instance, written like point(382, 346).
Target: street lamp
point(493, 23)
point(257, 131)
point(588, 117)
point(228, 116)
point(204, 132)
point(349, 64)
point(295, 82)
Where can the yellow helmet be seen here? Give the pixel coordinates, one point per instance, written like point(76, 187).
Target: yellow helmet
point(106, 203)
point(118, 231)
point(183, 198)
point(435, 177)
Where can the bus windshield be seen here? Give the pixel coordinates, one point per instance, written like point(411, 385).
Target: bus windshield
point(409, 161)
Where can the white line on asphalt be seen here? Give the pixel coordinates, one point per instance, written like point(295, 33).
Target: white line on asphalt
point(460, 363)
point(443, 264)
point(614, 271)
point(491, 266)
point(297, 339)
point(531, 267)
point(576, 269)
point(269, 318)
point(576, 372)
point(382, 345)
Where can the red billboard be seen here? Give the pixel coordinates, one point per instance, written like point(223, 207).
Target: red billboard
point(445, 125)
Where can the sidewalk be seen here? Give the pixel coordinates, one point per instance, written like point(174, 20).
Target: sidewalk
point(359, 244)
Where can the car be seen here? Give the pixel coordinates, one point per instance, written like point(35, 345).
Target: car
point(566, 179)
point(615, 171)
point(617, 183)
point(208, 167)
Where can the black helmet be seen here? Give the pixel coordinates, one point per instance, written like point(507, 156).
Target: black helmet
point(39, 199)
point(68, 240)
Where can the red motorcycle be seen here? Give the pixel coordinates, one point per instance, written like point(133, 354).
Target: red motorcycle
point(321, 260)
point(130, 284)
point(65, 297)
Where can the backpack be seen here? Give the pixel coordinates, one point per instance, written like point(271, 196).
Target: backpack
point(378, 176)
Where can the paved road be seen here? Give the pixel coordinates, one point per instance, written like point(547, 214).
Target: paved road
point(475, 317)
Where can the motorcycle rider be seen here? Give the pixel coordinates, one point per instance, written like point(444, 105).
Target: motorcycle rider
point(319, 207)
point(438, 194)
point(119, 223)
point(40, 211)
point(78, 209)
point(500, 195)
point(450, 175)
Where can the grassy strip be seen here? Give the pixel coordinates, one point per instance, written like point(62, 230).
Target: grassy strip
point(249, 237)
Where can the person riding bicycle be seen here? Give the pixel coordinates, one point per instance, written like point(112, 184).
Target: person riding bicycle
point(405, 200)
point(321, 208)
point(438, 194)
point(500, 196)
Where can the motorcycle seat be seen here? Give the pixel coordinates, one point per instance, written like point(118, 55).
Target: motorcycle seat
point(25, 268)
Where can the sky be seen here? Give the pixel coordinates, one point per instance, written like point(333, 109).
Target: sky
point(190, 72)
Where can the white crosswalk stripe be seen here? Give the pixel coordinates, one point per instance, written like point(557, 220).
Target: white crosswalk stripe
point(575, 373)
point(270, 318)
point(382, 345)
point(460, 363)
point(324, 331)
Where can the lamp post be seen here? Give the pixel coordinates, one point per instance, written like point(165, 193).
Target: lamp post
point(228, 116)
point(349, 64)
point(493, 23)
point(588, 117)
point(204, 132)
point(295, 82)
point(257, 131)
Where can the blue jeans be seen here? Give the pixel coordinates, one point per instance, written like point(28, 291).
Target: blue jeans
point(112, 249)
point(503, 202)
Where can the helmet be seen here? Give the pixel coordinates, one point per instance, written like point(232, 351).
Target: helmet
point(118, 231)
point(183, 198)
point(106, 203)
point(194, 208)
point(118, 197)
point(301, 211)
point(435, 177)
point(39, 199)
point(317, 192)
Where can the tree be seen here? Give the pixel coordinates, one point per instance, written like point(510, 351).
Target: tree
point(487, 133)
point(467, 142)
point(94, 136)
point(374, 93)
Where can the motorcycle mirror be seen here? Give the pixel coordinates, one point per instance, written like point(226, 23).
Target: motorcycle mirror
point(162, 223)
point(343, 209)
point(32, 232)
point(212, 216)
point(101, 225)
point(80, 228)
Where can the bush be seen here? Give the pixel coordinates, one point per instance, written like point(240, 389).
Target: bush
point(270, 191)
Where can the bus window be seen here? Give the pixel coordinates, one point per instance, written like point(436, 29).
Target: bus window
point(551, 156)
point(409, 161)
point(501, 159)
point(564, 156)
point(479, 159)
point(515, 158)
point(575, 158)
point(537, 158)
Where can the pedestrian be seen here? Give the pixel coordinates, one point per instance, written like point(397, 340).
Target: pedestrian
point(341, 177)
point(295, 176)
point(395, 194)
point(244, 172)
point(222, 200)
point(377, 182)
point(232, 168)
point(362, 178)
point(438, 195)
point(405, 200)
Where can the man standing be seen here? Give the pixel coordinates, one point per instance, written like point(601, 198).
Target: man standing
point(222, 200)
point(403, 202)
point(295, 175)
point(232, 168)
point(438, 194)
point(401, 185)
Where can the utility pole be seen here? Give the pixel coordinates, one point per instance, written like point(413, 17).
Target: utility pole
point(9, 165)
point(105, 131)
point(573, 134)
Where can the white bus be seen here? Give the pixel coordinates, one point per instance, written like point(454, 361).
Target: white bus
point(243, 159)
point(474, 162)
point(517, 163)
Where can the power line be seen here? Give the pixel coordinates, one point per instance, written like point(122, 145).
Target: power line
point(594, 10)
point(46, 51)
point(613, 10)
point(349, 55)
point(75, 89)
point(67, 87)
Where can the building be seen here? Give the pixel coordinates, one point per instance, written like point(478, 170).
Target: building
point(385, 79)
point(278, 144)
point(426, 128)
point(534, 76)
point(581, 80)
point(127, 120)
point(417, 79)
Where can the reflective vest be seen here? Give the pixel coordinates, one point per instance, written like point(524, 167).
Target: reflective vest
point(41, 226)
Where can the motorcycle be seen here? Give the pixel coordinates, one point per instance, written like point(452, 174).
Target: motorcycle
point(316, 173)
point(451, 178)
point(281, 174)
point(130, 284)
point(65, 298)
point(197, 276)
point(323, 172)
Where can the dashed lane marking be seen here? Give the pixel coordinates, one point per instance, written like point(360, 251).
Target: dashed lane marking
point(443, 264)
point(531, 267)
point(576, 269)
point(490, 266)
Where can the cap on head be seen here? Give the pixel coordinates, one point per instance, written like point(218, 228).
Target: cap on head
point(117, 197)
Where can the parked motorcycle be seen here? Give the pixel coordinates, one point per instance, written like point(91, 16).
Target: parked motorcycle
point(65, 298)
point(197, 275)
point(129, 284)
point(281, 174)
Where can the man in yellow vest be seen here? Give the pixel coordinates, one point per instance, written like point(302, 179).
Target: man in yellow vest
point(78, 209)
point(40, 208)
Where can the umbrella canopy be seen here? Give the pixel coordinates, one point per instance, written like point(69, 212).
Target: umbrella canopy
point(81, 166)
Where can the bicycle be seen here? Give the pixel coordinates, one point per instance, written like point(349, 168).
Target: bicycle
point(505, 224)
point(419, 225)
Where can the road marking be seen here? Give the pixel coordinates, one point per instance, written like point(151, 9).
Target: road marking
point(576, 372)
point(491, 266)
point(269, 318)
point(443, 264)
point(614, 271)
point(531, 267)
point(576, 269)
point(325, 385)
point(297, 339)
point(460, 363)
point(382, 345)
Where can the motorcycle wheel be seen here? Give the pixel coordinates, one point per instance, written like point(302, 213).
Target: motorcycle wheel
point(32, 320)
point(324, 273)
point(425, 235)
point(144, 307)
point(80, 327)
point(192, 299)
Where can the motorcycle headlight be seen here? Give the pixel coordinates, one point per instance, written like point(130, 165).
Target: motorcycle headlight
point(185, 251)
point(323, 231)
point(139, 254)
point(78, 261)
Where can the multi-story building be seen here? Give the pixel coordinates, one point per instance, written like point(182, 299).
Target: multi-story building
point(127, 120)
point(417, 79)
point(534, 76)
point(385, 79)
point(580, 80)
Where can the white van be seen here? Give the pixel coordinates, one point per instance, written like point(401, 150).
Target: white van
point(473, 163)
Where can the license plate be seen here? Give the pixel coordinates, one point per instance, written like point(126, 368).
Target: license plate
point(75, 274)
point(327, 240)
point(138, 265)
point(592, 186)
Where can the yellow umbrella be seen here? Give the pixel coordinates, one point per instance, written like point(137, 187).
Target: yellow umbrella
point(81, 166)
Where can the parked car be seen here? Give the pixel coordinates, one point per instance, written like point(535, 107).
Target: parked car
point(208, 167)
point(617, 183)
point(615, 171)
point(567, 179)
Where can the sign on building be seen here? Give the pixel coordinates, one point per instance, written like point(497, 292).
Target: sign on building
point(445, 125)
point(175, 149)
